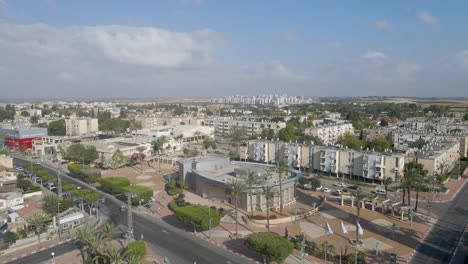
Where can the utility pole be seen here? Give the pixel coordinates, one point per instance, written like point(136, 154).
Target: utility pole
point(59, 183)
point(129, 217)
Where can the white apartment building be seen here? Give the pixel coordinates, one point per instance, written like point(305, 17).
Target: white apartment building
point(81, 126)
point(341, 162)
point(436, 157)
point(252, 128)
point(6, 161)
point(10, 199)
point(329, 134)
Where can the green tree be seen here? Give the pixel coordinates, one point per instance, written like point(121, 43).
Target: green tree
point(386, 182)
point(34, 119)
point(303, 180)
point(250, 180)
point(419, 143)
point(52, 205)
point(25, 113)
point(351, 141)
point(108, 230)
point(384, 122)
point(465, 116)
point(142, 193)
point(236, 187)
point(38, 221)
point(269, 192)
point(136, 249)
point(288, 133)
point(282, 170)
point(268, 133)
point(115, 184)
point(380, 144)
point(158, 147)
point(197, 216)
point(315, 183)
point(113, 255)
point(57, 128)
point(10, 237)
point(270, 245)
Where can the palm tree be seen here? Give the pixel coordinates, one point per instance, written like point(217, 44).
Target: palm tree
point(158, 146)
point(281, 169)
point(113, 255)
point(250, 180)
point(84, 235)
point(108, 231)
point(237, 187)
point(95, 241)
point(179, 139)
point(419, 185)
point(269, 192)
point(140, 150)
point(386, 182)
point(38, 220)
point(360, 197)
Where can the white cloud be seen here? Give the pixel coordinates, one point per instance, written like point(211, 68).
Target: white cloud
point(272, 70)
point(427, 18)
point(407, 71)
point(384, 25)
point(374, 55)
point(65, 76)
point(146, 46)
point(462, 58)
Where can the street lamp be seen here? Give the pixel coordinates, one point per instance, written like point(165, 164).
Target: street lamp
point(53, 257)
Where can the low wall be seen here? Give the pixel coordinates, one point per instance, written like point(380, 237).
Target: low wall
point(290, 218)
point(28, 195)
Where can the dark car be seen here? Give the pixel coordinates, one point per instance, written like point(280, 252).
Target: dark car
point(353, 187)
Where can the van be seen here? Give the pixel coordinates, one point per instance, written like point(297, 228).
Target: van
point(380, 192)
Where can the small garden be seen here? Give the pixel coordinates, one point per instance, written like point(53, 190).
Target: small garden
point(120, 185)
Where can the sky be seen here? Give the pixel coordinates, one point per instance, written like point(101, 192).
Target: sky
point(180, 48)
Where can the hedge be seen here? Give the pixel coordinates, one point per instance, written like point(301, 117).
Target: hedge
point(269, 244)
point(197, 216)
point(142, 192)
point(136, 249)
point(75, 167)
point(115, 184)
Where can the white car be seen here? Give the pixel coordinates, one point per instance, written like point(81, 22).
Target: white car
point(327, 190)
point(339, 184)
point(78, 187)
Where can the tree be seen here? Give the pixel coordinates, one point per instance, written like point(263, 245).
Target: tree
point(158, 146)
point(269, 194)
point(288, 133)
point(34, 119)
point(384, 122)
point(386, 182)
point(351, 141)
point(25, 113)
point(270, 245)
point(115, 184)
point(57, 128)
point(303, 180)
point(250, 180)
point(38, 221)
point(113, 255)
point(81, 153)
point(108, 230)
point(137, 249)
point(360, 198)
point(268, 133)
point(142, 194)
point(282, 170)
point(52, 204)
point(90, 154)
point(83, 235)
point(380, 144)
point(315, 183)
point(465, 116)
point(10, 237)
point(141, 156)
point(419, 143)
point(236, 187)
point(197, 216)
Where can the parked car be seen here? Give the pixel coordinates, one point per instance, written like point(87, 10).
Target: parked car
point(339, 184)
point(38, 163)
point(353, 187)
point(78, 187)
point(380, 192)
point(327, 190)
point(338, 192)
point(102, 199)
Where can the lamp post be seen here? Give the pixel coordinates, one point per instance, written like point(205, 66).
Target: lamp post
point(303, 245)
point(53, 257)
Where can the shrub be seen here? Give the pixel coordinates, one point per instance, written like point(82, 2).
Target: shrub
point(303, 180)
point(75, 168)
point(115, 184)
point(197, 216)
point(142, 192)
point(269, 244)
point(315, 183)
point(90, 174)
point(175, 187)
point(136, 249)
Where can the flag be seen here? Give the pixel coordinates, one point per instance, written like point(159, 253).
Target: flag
point(360, 231)
point(329, 229)
point(343, 227)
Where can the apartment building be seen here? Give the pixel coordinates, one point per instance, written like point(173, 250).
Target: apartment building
point(437, 156)
point(81, 126)
point(47, 145)
point(6, 161)
point(329, 133)
point(342, 162)
point(370, 134)
point(252, 128)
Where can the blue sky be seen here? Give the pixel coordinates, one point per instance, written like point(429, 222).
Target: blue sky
point(212, 48)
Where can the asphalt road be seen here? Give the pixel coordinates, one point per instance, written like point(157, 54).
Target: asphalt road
point(45, 255)
point(162, 238)
point(440, 243)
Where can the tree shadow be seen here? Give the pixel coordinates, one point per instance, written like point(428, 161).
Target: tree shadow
point(237, 246)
